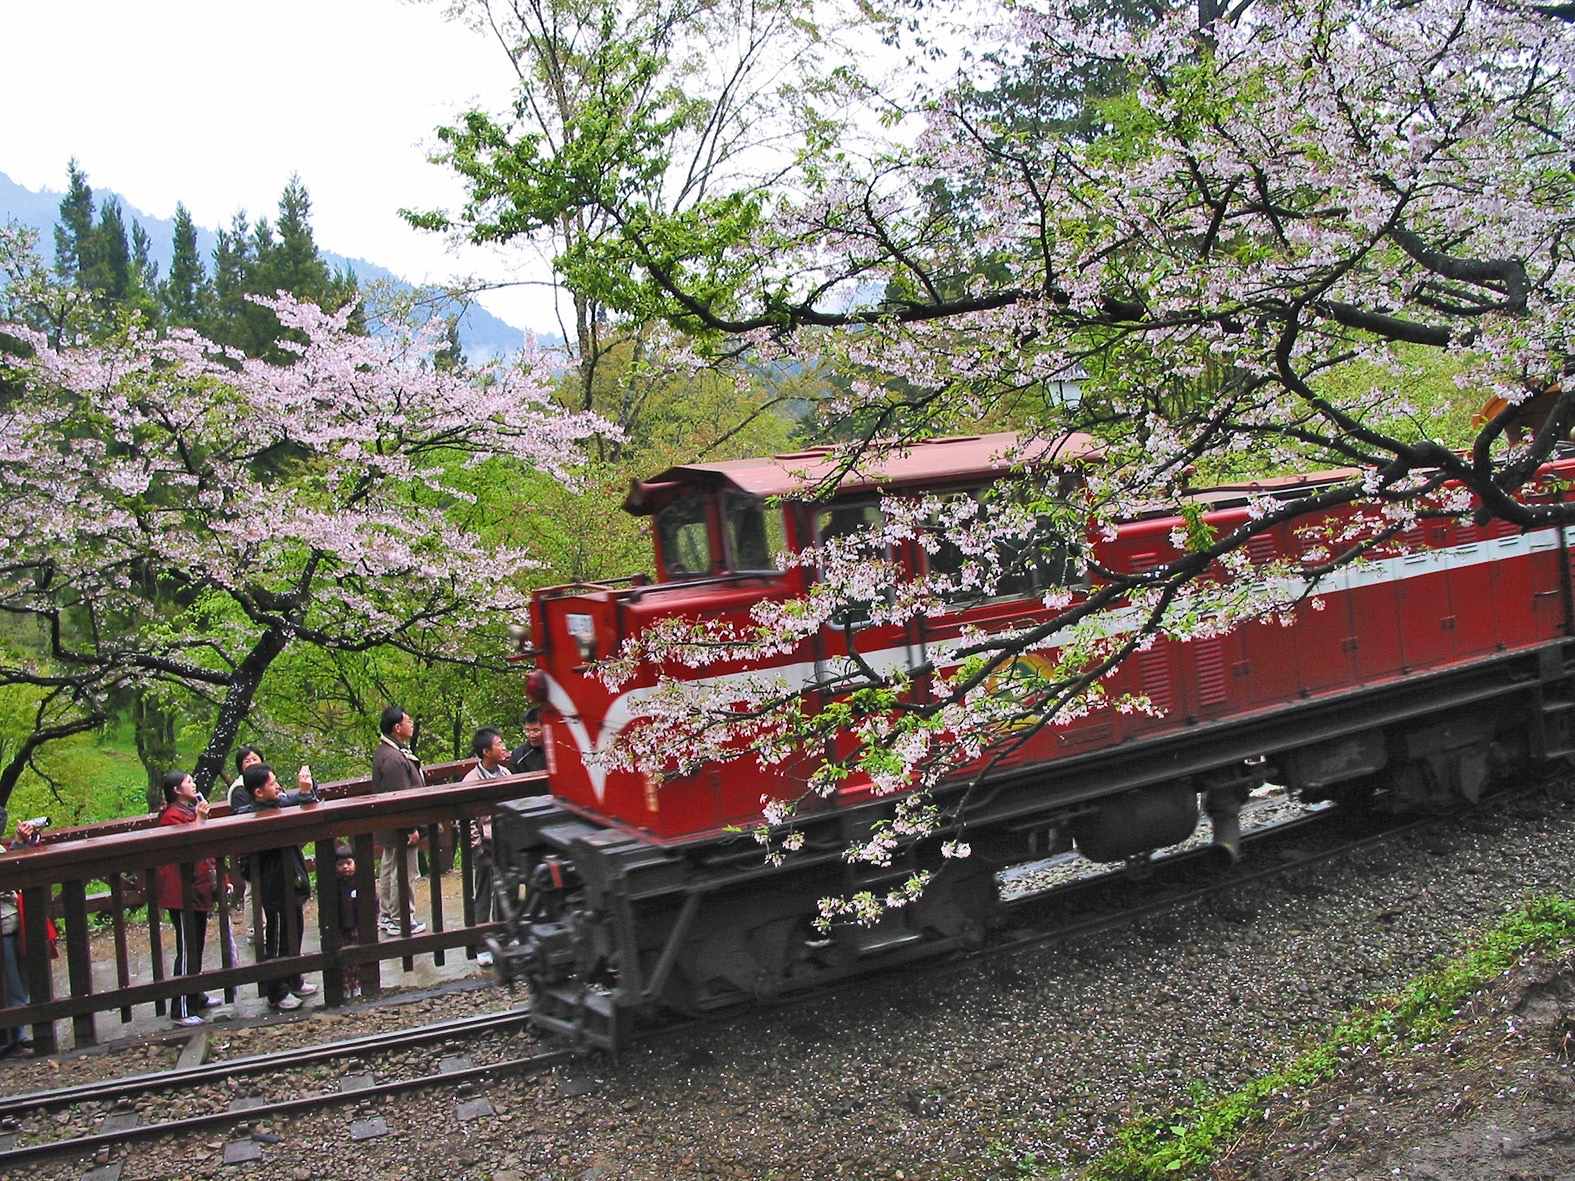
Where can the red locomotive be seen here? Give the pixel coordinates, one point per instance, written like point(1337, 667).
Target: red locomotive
point(1434, 664)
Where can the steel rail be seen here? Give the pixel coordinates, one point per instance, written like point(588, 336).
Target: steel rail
point(94, 1141)
point(138, 1084)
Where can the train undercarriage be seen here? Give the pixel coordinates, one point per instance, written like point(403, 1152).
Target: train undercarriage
point(611, 930)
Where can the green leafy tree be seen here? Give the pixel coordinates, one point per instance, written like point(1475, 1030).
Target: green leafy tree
point(607, 124)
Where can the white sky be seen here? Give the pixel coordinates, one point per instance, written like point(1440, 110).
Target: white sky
point(217, 103)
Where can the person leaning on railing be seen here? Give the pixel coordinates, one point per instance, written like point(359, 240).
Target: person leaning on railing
point(183, 805)
point(282, 884)
point(492, 762)
point(13, 945)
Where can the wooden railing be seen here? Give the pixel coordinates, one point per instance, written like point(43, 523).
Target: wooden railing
point(337, 789)
point(55, 877)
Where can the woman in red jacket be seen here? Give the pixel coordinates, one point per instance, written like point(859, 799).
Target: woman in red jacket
point(182, 805)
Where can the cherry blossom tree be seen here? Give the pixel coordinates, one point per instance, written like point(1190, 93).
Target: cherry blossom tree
point(1284, 193)
point(178, 515)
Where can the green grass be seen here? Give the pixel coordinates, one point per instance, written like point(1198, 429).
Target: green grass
point(1183, 1144)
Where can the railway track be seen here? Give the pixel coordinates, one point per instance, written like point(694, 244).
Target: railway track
point(1164, 883)
point(277, 1064)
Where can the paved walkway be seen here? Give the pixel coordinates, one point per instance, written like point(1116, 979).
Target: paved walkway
point(248, 1004)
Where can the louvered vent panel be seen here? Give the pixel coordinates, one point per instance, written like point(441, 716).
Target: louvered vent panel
point(1153, 667)
point(1260, 548)
point(1211, 672)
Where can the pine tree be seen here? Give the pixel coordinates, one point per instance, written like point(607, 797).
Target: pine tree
point(294, 264)
point(185, 293)
point(108, 270)
point(143, 296)
point(144, 271)
point(74, 232)
point(232, 267)
point(345, 288)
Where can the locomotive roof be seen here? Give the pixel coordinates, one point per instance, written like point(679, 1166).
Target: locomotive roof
point(930, 461)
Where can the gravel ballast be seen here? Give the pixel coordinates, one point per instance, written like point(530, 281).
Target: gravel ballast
point(1002, 1068)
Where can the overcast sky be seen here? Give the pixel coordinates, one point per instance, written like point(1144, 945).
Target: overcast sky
point(217, 103)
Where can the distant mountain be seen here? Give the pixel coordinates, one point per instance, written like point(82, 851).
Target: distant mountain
point(481, 333)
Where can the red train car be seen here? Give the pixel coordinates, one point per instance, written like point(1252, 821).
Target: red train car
point(1426, 668)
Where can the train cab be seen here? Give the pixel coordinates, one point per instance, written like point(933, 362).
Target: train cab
point(722, 534)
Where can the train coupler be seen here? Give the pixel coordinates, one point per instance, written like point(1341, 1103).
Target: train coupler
point(586, 1018)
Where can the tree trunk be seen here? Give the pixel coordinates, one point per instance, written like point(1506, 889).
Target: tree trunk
point(153, 722)
point(237, 704)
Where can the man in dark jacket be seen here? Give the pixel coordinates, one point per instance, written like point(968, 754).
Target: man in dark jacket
point(396, 768)
point(529, 755)
point(283, 887)
point(189, 917)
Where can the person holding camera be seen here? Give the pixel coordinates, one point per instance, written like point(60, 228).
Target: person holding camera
point(184, 805)
point(283, 887)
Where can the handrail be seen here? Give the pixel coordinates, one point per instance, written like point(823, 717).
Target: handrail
point(435, 773)
point(67, 867)
point(101, 856)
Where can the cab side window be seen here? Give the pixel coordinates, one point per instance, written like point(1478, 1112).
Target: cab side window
point(1029, 566)
point(756, 535)
point(843, 520)
point(685, 537)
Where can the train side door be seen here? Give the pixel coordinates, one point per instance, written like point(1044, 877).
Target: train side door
point(1325, 631)
point(1263, 670)
point(1375, 611)
point(1474, 584)
point(1426, 613)
point(1529, 597)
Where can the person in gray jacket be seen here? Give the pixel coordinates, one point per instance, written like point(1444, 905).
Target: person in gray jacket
point(396, 768)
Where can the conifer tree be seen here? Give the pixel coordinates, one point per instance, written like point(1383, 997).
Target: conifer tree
point(108, 270)
point(144, 271)
point(449, 356)
point(294, 264)
point(344, 288)
point(185, 293)
point(232, 263)
point(74, 231)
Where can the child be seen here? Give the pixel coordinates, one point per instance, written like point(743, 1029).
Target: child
point(349, 928)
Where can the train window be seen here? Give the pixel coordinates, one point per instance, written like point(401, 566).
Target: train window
point(843, 520)
point(684, 534)
point(1029, 566)
point(755, 534)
